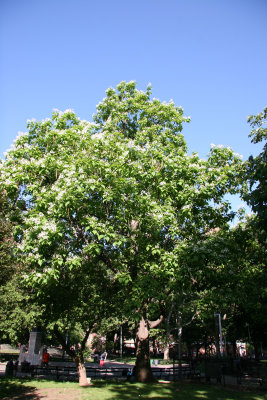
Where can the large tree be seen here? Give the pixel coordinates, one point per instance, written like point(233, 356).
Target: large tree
point(112, 204)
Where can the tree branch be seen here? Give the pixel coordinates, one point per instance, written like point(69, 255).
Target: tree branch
point(61, 340)
point(87, 333)
point(154, 324)
point(71, 224)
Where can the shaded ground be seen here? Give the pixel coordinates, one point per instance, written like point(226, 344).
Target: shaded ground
point(48, 394)
point(15, 390)
point(43, 390)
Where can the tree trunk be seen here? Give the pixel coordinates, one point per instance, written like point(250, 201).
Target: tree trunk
point(168, 333)
point(206, 344)
point(143, 369)
point(166, 354)
point(256, 350)
point(81, 371)
point(234, 349)
point(77, 358)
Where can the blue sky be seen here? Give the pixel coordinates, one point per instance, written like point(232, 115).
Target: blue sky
point(209, 56)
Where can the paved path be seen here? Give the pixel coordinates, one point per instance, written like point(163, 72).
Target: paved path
point(2, 368)
point(108, 364)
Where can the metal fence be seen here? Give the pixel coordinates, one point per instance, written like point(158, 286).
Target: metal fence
point(212, 372)
point(70, 373)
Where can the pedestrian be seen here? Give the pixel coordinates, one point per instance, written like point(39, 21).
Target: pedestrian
point(45, 358)
point(103, 358)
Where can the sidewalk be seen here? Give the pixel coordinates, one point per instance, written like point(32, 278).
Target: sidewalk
point(2, 368)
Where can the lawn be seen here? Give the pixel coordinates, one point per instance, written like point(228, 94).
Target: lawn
point(132, 360)
point(21, 389)
point(125, 360)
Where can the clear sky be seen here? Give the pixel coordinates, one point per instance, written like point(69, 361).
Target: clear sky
point(209, 56)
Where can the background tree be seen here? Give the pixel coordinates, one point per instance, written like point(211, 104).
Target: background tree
point(230, 278)
point(111, 207)
point(7, 260)
point(257, 171)
point(17, 314)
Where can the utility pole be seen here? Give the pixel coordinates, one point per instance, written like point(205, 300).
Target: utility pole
point(180, 330)
point(220, 332)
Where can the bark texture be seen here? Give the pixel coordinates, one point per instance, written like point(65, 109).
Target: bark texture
point(81, 371)
point(143, 371)
point(166, 354)
point(78, 359)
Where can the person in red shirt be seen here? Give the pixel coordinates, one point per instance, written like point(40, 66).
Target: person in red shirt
point(103, 358)
point(45, 358)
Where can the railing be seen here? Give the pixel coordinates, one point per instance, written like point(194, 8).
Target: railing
point(71, 373)
point(257, 377)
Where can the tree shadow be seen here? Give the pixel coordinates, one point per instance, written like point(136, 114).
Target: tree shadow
point(156, 391)
point(15, 390)
point(172, 391)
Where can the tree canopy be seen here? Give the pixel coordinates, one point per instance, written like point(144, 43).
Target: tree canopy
point(109, 207)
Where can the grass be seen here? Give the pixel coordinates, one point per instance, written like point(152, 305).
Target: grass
point(9, 351)
point(131, 360)
point(126, 360)
point(103, 390)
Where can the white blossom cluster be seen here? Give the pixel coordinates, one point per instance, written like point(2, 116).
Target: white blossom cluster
point(98, 136)
point(39, 225)
point(220, 146)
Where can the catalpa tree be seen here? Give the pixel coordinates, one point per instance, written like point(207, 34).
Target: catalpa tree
point(113, 203)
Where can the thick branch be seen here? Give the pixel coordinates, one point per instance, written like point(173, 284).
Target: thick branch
point(71, 224)
point(170, 313)
point(61, 340)
point(192, 319)
point(154, 324)
point(82, 234)
point(87, 333)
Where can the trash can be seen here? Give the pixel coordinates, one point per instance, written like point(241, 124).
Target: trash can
point(156, 362)
point(25, 366)
point(9, 368)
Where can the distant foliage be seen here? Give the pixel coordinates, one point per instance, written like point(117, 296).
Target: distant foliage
point(257, 170)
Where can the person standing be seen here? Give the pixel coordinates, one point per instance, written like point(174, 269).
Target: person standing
point(103, 358)
point(45, 358)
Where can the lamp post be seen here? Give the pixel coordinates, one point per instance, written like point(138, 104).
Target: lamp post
point(220, 332)
point(121, 341)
